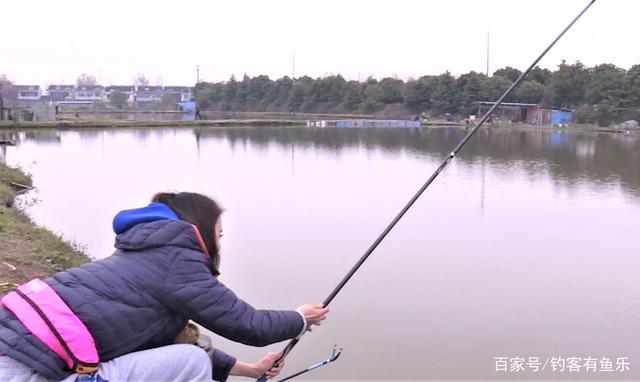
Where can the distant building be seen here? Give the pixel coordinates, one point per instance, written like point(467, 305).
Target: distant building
point(28, 92)
point(561, 116)
point(144, 97)
point(179, 93)
point(530, 113)
point(60, 92)
point(89, 93)
point(129, 90)
point(147, 96)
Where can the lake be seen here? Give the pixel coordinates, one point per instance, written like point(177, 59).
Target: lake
point(522, 253)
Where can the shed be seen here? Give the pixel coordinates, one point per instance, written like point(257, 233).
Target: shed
point(561, 117)
point(531, 113)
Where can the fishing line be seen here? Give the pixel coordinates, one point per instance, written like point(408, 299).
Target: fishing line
point(437, 172)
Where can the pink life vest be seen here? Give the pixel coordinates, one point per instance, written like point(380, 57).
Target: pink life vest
point(41, 310)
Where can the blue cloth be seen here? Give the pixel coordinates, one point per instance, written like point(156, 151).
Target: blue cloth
point(154, 211)
point(142, 296)
point(93, 377)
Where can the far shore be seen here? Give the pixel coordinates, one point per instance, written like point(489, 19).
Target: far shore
point(240, 122)
point(147, 123)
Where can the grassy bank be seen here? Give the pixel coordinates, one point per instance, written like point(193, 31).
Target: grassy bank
point(26, 250)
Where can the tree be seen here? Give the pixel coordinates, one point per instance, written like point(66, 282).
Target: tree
point(491, 88)
point(567, 85)
point(373, 97)
point(208, 94)
point(607, 89)
point(417, 95)
point(278, 93)
point(585, 114)
point(529, 92)
point(3, 79)
point(606, 114)
point(258, 89)
point(118, 99)
point(607, 85)
point(353, 95)
point(297, 96)
point(7, 90)
point(329, 89)
point(633, 85)
point(469, 85)
point(230, 90)
point(7, 93)
point(140, 80)
point(444, 97)
point(540, 75)
point(509, 73)
point(392, 89)
point(242, 90)
point(86, 79)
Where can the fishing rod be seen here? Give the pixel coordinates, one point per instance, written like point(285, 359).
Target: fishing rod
point(437, 172)
point(334, 356)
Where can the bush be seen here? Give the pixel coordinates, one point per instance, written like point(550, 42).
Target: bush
point(606, 114)
point(585, 115)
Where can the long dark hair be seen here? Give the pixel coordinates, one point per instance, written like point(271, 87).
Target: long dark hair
point(199, 210)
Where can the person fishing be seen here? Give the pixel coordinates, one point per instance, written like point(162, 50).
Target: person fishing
point(117, 318)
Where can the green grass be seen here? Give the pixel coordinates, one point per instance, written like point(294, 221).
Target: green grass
point(4, 221)
point(15, 175)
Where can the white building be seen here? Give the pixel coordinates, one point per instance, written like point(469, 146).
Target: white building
point(60, 92)
point(89, 93)
point(179, 93)
point(28, 92)
point(129, 90)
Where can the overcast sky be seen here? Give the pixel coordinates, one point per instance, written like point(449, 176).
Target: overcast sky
point(44, 42)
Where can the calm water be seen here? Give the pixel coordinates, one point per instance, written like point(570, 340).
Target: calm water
point(526, 246)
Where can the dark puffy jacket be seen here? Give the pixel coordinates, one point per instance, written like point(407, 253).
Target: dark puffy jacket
point(142, 296)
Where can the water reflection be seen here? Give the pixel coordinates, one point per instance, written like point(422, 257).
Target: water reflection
point(570, 157)
point(39, 135)
point(135, 116)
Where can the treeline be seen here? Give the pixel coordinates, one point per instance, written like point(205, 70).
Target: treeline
point(602, 94)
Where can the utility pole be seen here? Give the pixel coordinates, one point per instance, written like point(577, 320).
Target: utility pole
point(293, 65)
point(1, 103)
point(197, 74)
point(487, 54)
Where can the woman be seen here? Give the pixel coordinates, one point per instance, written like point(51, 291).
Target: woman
point(118, 316)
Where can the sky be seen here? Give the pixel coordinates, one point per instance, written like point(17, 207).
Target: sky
point(46, 42)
